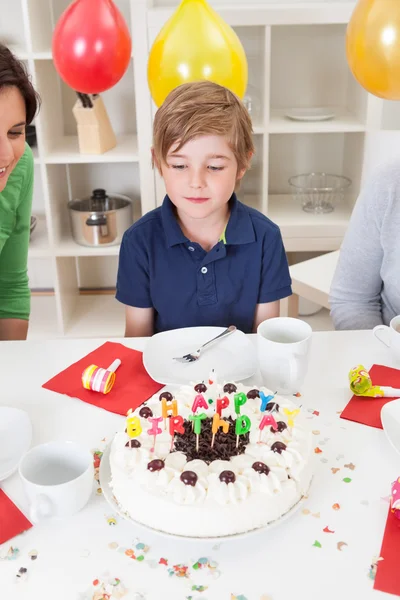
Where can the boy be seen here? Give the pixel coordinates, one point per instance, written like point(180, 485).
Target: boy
point(203, 257)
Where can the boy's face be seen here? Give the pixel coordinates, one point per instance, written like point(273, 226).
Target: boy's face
point(201, 177)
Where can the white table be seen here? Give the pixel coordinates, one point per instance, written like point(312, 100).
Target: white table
point(311, 279)
point(281, 564)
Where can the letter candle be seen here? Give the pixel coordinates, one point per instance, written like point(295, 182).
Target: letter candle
point(197, 419)
point(154, 429)
point(217, 422)
point(242, 426)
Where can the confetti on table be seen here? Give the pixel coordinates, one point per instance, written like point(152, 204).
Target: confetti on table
point(334, 470)
point(316, 432)
point(341, 545)
point(317, 544)
point(113, 545)
point(216, 547)
point(11, 554)
point(199, 588)
point(179, 571)
point(347, 479)
point(163, 561)
point(327, 530)
point(317, 450)
point(373, 567)
point(107, 588)
point(305, 511)
point(240, 597)
point(340, 456)
point(316, 515)
point(350, 466)
point(111, 521)
point(336, 506)
point(297, 394)
point(316, 413)
point(33, 554)
point(22, 574)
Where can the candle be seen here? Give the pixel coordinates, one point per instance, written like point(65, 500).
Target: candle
point(242, 426)
point(168, 407)
point(199, 402)
point(217, 422)
point(133, 426)
point(175, 426)
point(221, 404)
point(212, 378)
point(291, 414)
point(154, 429)
point(197, 419)
point(239, 400)
point(264, 401)
point(267, 420)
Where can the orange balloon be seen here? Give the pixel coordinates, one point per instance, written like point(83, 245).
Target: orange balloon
point(373, 47)
point(196, 44)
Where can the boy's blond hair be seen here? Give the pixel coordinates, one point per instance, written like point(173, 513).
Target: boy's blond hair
point(202, 108)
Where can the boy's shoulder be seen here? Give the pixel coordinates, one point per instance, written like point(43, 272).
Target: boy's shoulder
point(145, 225)
point(261, 223)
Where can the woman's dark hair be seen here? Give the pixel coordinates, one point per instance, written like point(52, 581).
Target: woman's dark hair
point(13, 73)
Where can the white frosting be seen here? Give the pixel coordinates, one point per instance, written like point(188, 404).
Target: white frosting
point(211, 507)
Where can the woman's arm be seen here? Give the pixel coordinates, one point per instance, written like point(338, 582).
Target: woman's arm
point(14, 288)
point(355, 296)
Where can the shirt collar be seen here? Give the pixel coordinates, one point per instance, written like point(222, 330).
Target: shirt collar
point(239, 230)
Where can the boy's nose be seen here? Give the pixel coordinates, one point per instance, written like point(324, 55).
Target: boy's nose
point(197, 181)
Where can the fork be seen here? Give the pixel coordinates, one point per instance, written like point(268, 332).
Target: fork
point(192, 356)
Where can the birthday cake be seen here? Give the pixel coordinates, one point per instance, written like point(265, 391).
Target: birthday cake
point(211, 460)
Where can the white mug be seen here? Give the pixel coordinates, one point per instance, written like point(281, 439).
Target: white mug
point(283, 345)
point(390, 336)
point(58, 479)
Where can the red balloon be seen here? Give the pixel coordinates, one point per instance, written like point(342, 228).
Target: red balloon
point(91, 46)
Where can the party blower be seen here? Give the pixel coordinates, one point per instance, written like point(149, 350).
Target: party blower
point(100, 380)
point(361, 385)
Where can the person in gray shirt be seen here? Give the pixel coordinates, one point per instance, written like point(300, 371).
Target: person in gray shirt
point(365, 289)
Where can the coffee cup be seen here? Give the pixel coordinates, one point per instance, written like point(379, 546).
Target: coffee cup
point(57, 479)
point(390, 336)
point(283, 346)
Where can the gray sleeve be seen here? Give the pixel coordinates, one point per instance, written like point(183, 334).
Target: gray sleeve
point(355, 295)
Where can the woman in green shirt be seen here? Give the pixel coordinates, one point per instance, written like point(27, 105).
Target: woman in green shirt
point(18, 106)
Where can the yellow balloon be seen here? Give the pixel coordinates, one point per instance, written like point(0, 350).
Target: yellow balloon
point(373, 47)
point(196, 44)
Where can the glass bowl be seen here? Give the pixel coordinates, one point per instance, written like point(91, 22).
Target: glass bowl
point(319, 192)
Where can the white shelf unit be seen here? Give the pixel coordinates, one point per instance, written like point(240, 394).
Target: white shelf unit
point(296, 56)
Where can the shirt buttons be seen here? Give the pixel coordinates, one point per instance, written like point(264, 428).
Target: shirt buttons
point(204, 270)
point(191, 248)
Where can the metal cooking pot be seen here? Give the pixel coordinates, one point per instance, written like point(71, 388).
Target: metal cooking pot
point(101, 219)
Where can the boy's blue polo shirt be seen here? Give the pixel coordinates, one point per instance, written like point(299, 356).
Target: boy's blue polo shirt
point(161, 268)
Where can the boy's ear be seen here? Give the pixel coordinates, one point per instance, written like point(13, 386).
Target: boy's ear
point(246, 168)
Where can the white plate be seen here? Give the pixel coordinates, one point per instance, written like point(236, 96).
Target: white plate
point(232, 358)
point(390, 417)
point(310, 114)
point(15, 439)
point(105, 478)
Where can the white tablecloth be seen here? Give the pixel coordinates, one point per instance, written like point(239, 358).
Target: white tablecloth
point(322, 552)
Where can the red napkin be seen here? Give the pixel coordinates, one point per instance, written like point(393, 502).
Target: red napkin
point(368, 410)
point(132, 386)
point(387, 575)
point(12, 521)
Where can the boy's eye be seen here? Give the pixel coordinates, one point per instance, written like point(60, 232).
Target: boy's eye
point(179, 167)
point(212, 168)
